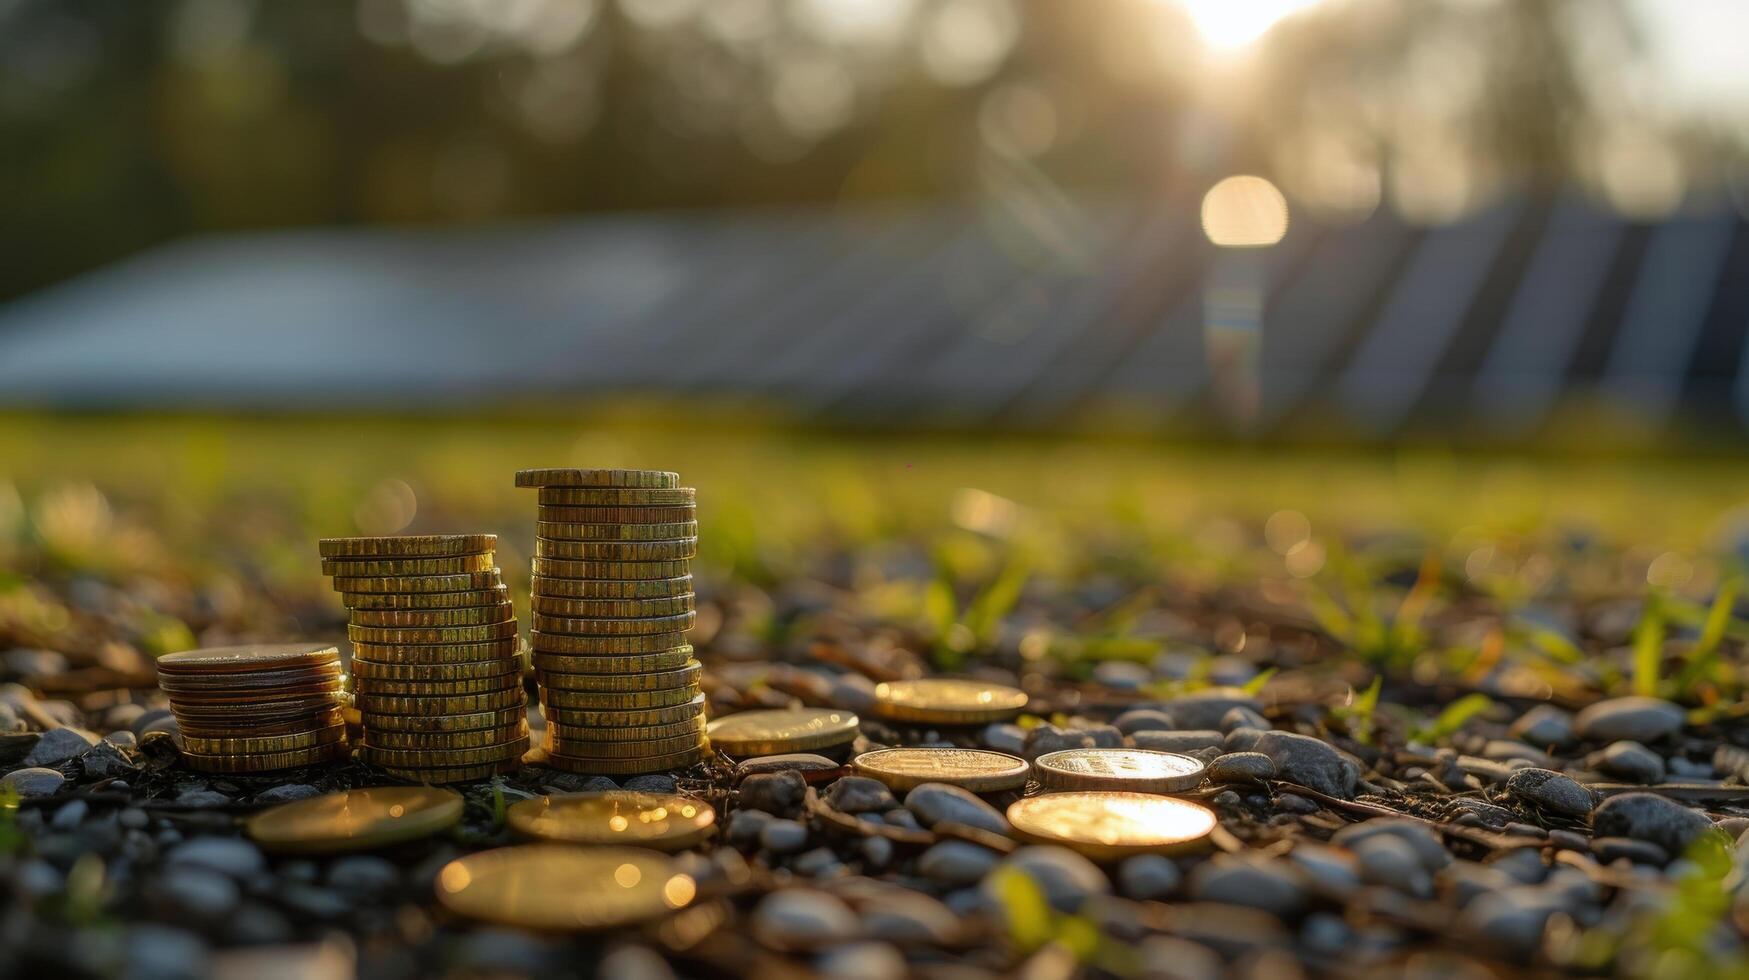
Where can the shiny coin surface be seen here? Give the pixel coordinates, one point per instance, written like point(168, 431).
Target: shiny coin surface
point(947, 701)
point(618, 645)
point(578, 531)
point(355, 820)
point(471, 721)
point(1112, 825)
point(609, 570)
point(1135, 770)
point(437, 634)
point(558, 663)
point(612, 608)
point(625, 767)
point(568, 626)
point(253, 657)
point(426, 600)
point(453, 565)
point(449, 775)
point(492, 578)
point(557, 888)
point(973, 769)
point(375, 687)
point(616, 515)
point(636, 749)
point(587, 497)
point(255, 728)
point(623, 551)
point(443, 741)
point(251, 744)
point(438, 653)
point(778, 731)
point(632, 718)
point(428, 706)
point(662, 821)
point(640, 479)
point(265, 761)
point(661, 680)
point(435, 758)
point(368, 670)
point(402, 618)
point(617, 700)
point(597, 589)
point(245, 683)
point(407, 546)
point(561, 732)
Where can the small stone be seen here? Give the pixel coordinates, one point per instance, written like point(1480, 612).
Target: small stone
point(1206, 708)
point(1428, 849)
point(1640, 719)
point(853, 691)
point(1567, 840)
point(1610, 849)
point(820, 862)
point(105, 760)
point(14, 746)
point(877, 852)
point(956, 862)
point(656, 782)
point(1104, 736)
point(745, 827)
point(365, 874)
point(803, 919)
point(28, 663)
point(1649, 817)
point(901, 817)
point(154, 720)
point(863, 961)
point(1510, 750)
point(1185, 741)
point(1288, 802)
point(1050, 738)
point(502, 952)
point(201, 893)
point(859, 794)
point(1310, 762)
point(1148, 876)
point(1242, 767)
point(1122, 675)
point(1629, 761)
point(1251, 880)
point(1549, 790)
point(1512, 919)
point(34, 782)
point(37, 879)
point(123, 740)
point(287, 793)
point(70, 815)
point(1243, 717)
point(203, 797)
point(1544, 725)
point(802, 762)
point(1172, 958)
point(162, 953)
point(1066, 878)
point(773, 792)
point(1525, 864)
point(627, 962)
point(60, 745)
point(783, 836)
point(1464, 881)
point(134, 818)
point(229, 855)
point(935, 803)
point(1242, 739)
point(1005, 736)
point(900, 915)
point(1144, 720)
point(1332, 871)
point(1685, 769)
point(1391, 861)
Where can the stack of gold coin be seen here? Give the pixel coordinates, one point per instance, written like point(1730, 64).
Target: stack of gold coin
point(436, 666)
point(256, 708)
point(612, 598)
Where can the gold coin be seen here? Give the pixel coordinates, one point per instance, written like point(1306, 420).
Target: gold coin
point(596, 588)
point(1107, 826)
point(313, 696)
point(583, 735)
point(567, 626)
point(355, 820)
point(446, 775)
point(574, 531)
point(556, 663)
point(251, 728)
point(373, 584)
point(620, 701)
point(254, 657)
point(612, 608)
point(427, 707)
point(453, 565)
point(1134, 770)
point(443, 741)
point(660, 821)
point(444, 758)
point(265, 761)
point(438, 653)
point(616, 645)
point(262, 744)
point(472, 721)
point(426, 600)
point(947, 701)
point(267, 680)
point(407, 546)
point(558, 888)
point(973, 769)
point(377, 687)
point(672, 549)
point(557, 568)
point(402, 618)
point(435, 634)
point(661, 680)
point(585, 497)
point(616, 515)
point(775, 732)
point(626, 767)
point(583, 718)
point(636, 479)
point(367, 670)
point(254, 716)
point(640, 749)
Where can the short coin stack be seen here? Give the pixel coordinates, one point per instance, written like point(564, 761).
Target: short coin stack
point(437, 676)
point(256, 708)
point(612, 598)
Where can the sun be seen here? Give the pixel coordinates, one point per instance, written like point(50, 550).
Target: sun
point(1231, 24)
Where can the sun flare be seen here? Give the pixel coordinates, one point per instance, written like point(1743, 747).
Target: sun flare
point(1231, 24)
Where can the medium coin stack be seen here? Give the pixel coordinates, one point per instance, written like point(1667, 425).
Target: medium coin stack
point(256, 708)
point(612, 598)
point(437, 676)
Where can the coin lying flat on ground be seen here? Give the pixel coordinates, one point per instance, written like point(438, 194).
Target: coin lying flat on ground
point(663, 821)
point(1107, 826)
point(947, 701)
point(356, 819)
point(564, 889)
point(1132, 770)
point(978, 770)
point(774, 732)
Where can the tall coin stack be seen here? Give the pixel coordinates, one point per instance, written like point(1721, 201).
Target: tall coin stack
point(256, 708)
point(612, 598)
point(437, 676)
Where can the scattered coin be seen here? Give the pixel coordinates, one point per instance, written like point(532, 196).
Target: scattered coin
point(661, 821)
point(558, 888)
point(1134, 770)
point(775, 732)
point(407, 545)
point(1107, 826)
point(977, 770)
point(646, 479)
point(356, 819)
point(947, 701)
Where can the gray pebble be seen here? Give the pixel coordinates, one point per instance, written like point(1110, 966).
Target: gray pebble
point(629, 962)
point(1005, 737)
point(1050, 738)
point(935, 803)
point(1512, 920)
point(803, 762)
point(1122, 675)
point(105, 760)
point(1393, 862)
point(1331, 871)
point(149, 720)
point(1524, 864)
point(820, 862)
point(1287, 802)
point(956, 862)
point(1567, 840)
point(1464, 881)
point(38, 879)
point(1242, 767)
point(1066, 878)
point(745, 826)
point(70, 815)
point(1649, 817)
point(1242, 739)
point(1640, 719)
point(862, 961)
point(1144, 720)
point(1629, 761)
point(853, 691)
point(1311, 762)
point(656, 782)
point(1206, 708)
point(287, 793)
point(228, 855)
point(901, 817)
point(783, 836)
point(162, 953)
point(201, 893)
point(1549, 790)
point(499, 952)
point(877, 852)
point(1610, 849)
point(134, 818)
point(1172, 958)
point(60, 745)
point(1543, 726)
point(1243, 717)
point(859, 794)
point(1148, 876)
point(33, 782)
point(1184, 741)
point(900, 915)
point(1426, 844)
point(364, 874)
point(124, 740)
point(203, 797)
point(773, 792)
point(1251, 880)
point(1105, 736)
